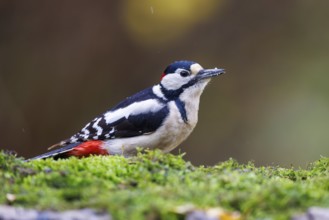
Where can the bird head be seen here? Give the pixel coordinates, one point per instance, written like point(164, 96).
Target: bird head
point(182, 75)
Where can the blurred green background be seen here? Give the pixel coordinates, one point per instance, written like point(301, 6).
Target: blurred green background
point(64, 62)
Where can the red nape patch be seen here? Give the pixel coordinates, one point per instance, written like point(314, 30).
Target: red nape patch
point(88, 148)
point(163, 75)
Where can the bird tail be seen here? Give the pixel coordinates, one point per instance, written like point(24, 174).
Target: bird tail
point(56, 154)
point(83, 149)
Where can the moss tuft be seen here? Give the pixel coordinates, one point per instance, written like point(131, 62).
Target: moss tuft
point(153, 185)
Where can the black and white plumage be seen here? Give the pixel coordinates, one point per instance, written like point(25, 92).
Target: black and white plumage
point(161, 116)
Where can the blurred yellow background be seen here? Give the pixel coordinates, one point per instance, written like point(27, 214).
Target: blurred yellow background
point(63, 63)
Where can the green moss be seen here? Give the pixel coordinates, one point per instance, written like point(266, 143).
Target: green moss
point(154, 184)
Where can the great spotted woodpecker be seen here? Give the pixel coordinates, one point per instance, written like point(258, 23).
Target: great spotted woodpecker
point(161, 116)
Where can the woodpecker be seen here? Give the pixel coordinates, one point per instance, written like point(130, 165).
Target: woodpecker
point(161, 116)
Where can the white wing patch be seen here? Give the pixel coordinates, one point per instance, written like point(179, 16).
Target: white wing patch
point(136, 108)
point(98, 128)
point(85, 130)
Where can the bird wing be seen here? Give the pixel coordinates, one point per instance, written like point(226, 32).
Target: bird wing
point(133, 120)
point(136, 115)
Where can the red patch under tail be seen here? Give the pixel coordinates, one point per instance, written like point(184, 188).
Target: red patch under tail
point(88, 148)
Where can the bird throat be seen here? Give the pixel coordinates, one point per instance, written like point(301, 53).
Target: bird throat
point(173, 95)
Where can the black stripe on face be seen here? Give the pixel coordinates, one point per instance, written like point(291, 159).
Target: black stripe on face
point(174, 94)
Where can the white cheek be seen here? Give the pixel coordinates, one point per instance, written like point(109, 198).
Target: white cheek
point(174, 81)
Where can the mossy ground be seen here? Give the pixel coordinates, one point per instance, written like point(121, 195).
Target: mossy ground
point(152, 185)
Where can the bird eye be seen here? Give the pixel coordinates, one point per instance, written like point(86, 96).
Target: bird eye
point(185, 73)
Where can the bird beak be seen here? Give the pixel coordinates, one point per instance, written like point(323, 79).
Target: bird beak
point(208, 73)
